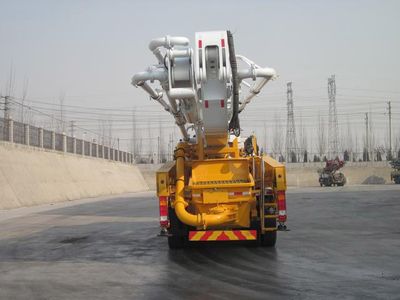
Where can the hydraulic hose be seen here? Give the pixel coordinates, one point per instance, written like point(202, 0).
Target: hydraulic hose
point(234, 124)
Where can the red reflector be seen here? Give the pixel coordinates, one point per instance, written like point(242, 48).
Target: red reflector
point(200, 44)
point(281, 197)
point(222, 103)
point(222, 43)
point(206, 103)
point(163, 211)
point(237, 193)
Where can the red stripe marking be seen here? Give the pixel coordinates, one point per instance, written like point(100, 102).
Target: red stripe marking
point(223, 237)
point(222, 43)
point(222, 103)
point(191, 234)
point(206, 235)
point(200, 44)
point(253, 233)
point(239, 234)
point(206, 103)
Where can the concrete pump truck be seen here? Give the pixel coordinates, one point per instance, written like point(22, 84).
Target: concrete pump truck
point(217, 188)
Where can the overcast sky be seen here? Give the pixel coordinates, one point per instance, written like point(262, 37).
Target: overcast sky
point(90, 49)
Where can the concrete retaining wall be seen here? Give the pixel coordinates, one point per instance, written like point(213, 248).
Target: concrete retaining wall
point(31, 176)
point(149, 174)
point(306, 175)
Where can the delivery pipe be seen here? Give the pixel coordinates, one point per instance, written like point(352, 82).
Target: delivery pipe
point(151, 74)
point(266, 74)
point(166, 42)
point(199, 220)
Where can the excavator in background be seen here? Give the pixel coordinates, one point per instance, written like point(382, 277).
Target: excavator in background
point(218, 188)
point(329, 175)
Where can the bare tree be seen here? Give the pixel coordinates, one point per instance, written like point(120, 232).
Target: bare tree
point(11, 82)
point(349, 139)
point(61, 123)
point(150, 144)
point(372, 140)
point(277, 136)
point(303, 140)
point(161, 151)
point(102, 132)
point(136, 143)
point(26, 115)
point(9, 89)
point(357, 150)
point(265, 138)
point(321, 145)
point(109, 137)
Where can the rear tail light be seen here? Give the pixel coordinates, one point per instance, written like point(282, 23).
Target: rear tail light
point(164, 222)
point(281, 200)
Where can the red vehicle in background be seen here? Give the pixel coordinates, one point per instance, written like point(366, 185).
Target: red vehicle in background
point(329, 176)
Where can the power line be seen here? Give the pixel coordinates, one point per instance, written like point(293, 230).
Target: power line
point(51, 116)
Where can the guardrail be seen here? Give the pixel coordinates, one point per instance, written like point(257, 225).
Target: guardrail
point(21, 133)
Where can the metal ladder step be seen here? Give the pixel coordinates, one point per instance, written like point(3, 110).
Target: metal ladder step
point(270, 229)
point(270, 216)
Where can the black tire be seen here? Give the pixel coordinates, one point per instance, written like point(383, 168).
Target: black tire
point(268, 239)
point(177, 231)
point(340, 179)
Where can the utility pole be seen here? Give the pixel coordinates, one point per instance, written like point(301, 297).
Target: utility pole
point(291, 143)
point(333, 136)
point(390, 129)
point(62, 124)
point(6, 108)
point(366, 136)
point(72, 126)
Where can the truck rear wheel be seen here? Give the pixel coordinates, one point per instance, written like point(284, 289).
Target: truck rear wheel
point(177, 231)
point(268, 239)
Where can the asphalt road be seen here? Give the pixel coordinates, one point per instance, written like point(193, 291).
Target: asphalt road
point(344, 243)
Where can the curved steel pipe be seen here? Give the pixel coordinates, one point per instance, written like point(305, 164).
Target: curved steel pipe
point(266, 74)
point(152, 74)
point(257, 72)
point(199, 220)
point(166, 42)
